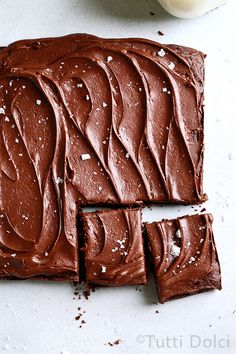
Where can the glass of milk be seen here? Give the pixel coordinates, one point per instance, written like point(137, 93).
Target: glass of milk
point(190, 8)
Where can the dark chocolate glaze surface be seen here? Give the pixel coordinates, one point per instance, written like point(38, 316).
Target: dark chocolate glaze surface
point(85, 120)
point(184, 256)
point(114, 253)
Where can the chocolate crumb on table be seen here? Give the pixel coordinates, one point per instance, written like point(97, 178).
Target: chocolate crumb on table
point(82, 292)
point(160, 33)
point(111, 344)
point(114, 252)
point(184, 256)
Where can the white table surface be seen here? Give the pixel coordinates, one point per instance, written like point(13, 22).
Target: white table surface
point(38, 317)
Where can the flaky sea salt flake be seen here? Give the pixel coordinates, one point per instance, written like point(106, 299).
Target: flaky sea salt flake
point(178, 233)
point(161, 53)
point(85, 157)
point(104, 269)
point(175, 251)
point(59, 180)
point(171, 66)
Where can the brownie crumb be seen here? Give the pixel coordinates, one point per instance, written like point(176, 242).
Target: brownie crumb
point(160, 33)
point(86, 294)
point(202, 210)
point(157, 311)
point(117, 342)
point(114, 343)
point(82, 291)
point(151, 13)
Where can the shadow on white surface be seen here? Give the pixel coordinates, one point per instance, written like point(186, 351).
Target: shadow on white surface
point(126, 9)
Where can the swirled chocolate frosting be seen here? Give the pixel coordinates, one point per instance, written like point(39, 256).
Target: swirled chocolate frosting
point(184, 256)
point(114, 252)
point(85, 120)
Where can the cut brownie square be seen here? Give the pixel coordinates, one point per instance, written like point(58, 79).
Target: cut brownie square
point(184, 256)
point(118, 121)
point(114, 253)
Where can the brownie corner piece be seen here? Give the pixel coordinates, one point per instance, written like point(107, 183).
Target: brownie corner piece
point(184, 256)
point(53, 256)
point(114, 253)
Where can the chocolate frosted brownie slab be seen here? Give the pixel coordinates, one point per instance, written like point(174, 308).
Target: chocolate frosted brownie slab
point(85, 120)
point(114, 253)
point(184, 256)
point(100, 121)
